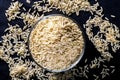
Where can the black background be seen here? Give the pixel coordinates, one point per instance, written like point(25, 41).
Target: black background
point(110, 7)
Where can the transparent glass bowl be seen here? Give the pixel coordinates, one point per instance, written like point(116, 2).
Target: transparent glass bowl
point(81, 54)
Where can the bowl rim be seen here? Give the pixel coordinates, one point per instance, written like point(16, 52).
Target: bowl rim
point(81, 53)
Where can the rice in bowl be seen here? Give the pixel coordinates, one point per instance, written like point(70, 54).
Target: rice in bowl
point(56, 43)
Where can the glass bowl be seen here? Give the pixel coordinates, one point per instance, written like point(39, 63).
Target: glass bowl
point(81, 54)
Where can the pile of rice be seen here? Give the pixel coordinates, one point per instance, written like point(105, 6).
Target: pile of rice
point(14, 41)
point(56, 43)
point(70, 6)
point(106, 37)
